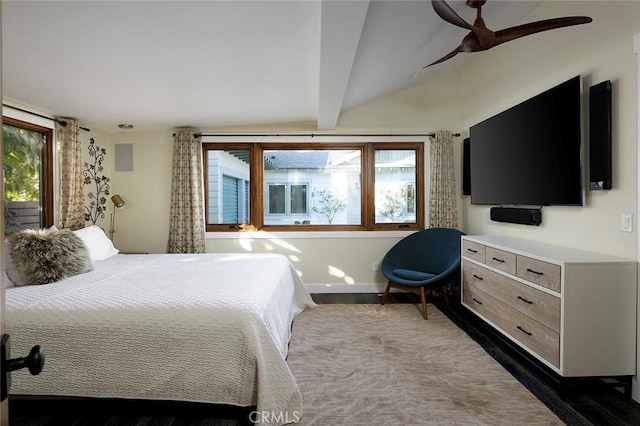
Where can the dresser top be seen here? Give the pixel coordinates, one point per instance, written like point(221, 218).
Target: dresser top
point(544, 251)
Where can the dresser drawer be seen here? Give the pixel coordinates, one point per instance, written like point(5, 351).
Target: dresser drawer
point(473, 250)
point(539, 339)
point(538, 305)
point(500, 259)
point(538, 272)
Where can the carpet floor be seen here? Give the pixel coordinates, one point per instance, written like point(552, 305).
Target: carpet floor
point(360, 363)
point(384, 365)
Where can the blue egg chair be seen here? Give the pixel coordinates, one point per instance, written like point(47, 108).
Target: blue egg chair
point(424, 260)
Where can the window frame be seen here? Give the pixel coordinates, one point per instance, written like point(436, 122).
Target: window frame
point(367, 184)
point(47, 215)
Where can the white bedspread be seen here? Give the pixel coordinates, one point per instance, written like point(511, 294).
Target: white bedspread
point(211, 328)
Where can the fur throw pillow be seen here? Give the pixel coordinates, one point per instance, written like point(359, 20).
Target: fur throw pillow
point(42, 256)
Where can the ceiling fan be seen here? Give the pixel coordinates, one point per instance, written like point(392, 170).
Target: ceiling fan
point(481, 38)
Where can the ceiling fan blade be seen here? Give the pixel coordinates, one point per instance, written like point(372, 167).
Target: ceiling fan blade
point(448, 14)
point(445, 57)
point(513, 33)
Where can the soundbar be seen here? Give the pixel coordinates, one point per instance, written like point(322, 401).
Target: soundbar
point(522, 216)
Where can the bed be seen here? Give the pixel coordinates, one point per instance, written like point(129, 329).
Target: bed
point(210, 328)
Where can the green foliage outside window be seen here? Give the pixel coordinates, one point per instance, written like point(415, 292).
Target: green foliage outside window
point(21, 150)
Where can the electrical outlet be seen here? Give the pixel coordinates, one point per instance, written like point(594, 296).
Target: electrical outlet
point(375, 267)
point(627, 222)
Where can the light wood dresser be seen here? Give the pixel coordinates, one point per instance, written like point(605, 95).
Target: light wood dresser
point(574, 311)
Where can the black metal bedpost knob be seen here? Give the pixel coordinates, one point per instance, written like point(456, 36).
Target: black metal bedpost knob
point(34, 361)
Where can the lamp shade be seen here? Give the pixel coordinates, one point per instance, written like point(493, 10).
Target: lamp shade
point(118, 201)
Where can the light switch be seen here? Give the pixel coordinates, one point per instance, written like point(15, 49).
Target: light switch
point(627, 222)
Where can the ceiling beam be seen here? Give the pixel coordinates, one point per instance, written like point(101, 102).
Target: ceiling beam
point(340, 29)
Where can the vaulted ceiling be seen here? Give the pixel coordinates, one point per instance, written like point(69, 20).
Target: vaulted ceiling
point(165, 64)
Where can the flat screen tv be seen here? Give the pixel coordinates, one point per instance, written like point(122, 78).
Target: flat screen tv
point(530, 154)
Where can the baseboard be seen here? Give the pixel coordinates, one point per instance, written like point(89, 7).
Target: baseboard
point(346, 288)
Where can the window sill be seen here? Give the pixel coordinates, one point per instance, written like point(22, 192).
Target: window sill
point(311, 235)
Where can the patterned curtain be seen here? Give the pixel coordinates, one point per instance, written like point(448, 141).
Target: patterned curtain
point(71, 189)
point(443, 210)
point(186, 222)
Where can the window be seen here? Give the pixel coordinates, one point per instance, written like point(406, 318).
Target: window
point(227, 186)
point(287, 199)
point(328, 186)
point(28, 175)
point(312, 187)
point(395, 180)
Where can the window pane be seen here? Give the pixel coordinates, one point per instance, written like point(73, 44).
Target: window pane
point(22, 178)
point(276, 199)
point(298, 199)
point(230, 199)
point(322, 186)
point(395, 181)
point(228, 180)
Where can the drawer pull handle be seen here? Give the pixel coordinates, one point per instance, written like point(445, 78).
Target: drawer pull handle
point(498, 260)
point(534, 272)
point(478, 277)
point(477, 301)
point(528, 333)
point(525, 300)
point(472, 250)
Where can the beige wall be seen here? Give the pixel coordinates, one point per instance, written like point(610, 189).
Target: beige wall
point(495, 80)
point(346, 262)
point(143, 225)
point(513, 72)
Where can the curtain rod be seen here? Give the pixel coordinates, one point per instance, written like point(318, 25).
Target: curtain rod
point(61, 122)
point(432, 134)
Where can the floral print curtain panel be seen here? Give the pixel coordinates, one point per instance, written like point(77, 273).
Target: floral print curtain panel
point(186, 221)
point(70, 191)
point(443, 210)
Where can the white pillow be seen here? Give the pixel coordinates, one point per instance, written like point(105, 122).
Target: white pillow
point(100, 247)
